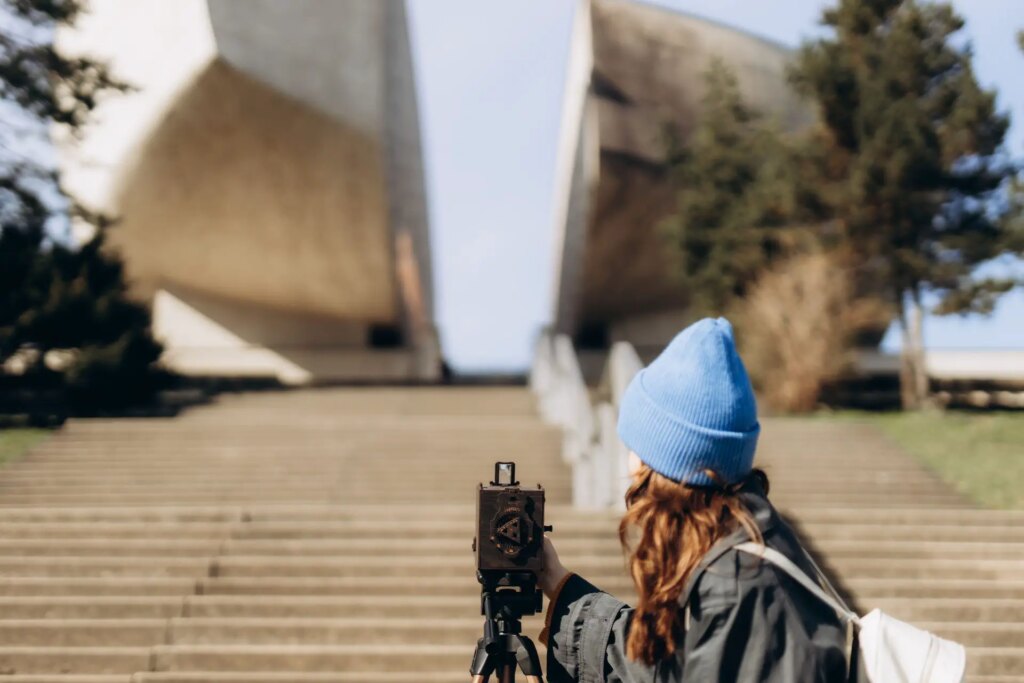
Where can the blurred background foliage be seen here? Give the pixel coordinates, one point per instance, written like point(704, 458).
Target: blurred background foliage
point(901, 189)
point(68, 329)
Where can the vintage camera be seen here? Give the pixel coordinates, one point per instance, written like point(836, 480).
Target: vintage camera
point(509, 541)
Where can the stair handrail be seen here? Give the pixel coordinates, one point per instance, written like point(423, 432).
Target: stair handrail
point(622, 366)
point(590, 443)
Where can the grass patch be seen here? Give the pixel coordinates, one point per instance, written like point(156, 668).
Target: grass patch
point(980, 454)
point(14, 442)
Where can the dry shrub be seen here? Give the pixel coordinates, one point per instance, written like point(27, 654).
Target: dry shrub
point(796, 325)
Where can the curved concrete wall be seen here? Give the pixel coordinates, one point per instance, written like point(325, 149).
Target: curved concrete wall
point(263, 208)
point(327, 54)
point(268, 177)
point(618, 274)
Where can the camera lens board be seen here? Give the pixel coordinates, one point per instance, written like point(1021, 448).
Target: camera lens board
point(512, 529)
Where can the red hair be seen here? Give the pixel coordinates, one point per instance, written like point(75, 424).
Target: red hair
point(666, 531)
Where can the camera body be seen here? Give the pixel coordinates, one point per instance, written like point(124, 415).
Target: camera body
point(510, 539)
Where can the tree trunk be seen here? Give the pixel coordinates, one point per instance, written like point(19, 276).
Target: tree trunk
point(913, 373)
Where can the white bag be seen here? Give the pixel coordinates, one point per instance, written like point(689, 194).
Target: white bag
point(892, 651)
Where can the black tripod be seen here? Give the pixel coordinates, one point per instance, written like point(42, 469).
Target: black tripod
point(503, 647)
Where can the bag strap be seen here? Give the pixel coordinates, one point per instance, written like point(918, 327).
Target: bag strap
point(849, 618)
point(798, 575)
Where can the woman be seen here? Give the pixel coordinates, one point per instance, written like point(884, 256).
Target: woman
point(706, 611)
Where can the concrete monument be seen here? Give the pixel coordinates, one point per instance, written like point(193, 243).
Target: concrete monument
point(268, 179)
point(636, 72)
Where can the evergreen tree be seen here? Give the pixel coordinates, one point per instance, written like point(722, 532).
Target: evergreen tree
point(56, 296)
point(736, 197)
point(914, 156)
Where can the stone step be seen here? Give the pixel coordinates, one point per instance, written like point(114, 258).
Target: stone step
point(923, 487)
point(441, 585)
point(85, 660)
point(105, 547)
point(413, 567)
point(853, 566)
point(340, 585)
point(114, 531)
point(261, 513)
point(28, 473)
point(338, 631)
point(443, 676)
point(314, 420)
point(135, 514)
point(301, 658)
point(982, 660)
point(240, 494)
point(387, 547)
point(874, 589)
point(329, 658)
point(78, 633)
point(956, 610)
point(945, 568)
point(924, 550)
point(234, 631)
point(232, 496)
point(491, 434)
point(195, 492)
point(67, 678)
point(334, 606)
point(71, 566)
point(407, 445)
point(522, 438)
point(91, 607)
point(462, 485)
point(984, 634)
point(577, 544)
point(290, 534)
point(914, 532)
point(989, 661)
point(901, 515)
point(807, 504)
point(414, 676)
point(25, 586)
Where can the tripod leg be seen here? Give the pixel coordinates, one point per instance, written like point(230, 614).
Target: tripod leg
point(483, 663)
point(528, 659)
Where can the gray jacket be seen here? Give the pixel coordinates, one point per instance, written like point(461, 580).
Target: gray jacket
point(749, 621)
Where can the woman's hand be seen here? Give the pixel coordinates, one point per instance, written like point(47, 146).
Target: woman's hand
point(553, 573)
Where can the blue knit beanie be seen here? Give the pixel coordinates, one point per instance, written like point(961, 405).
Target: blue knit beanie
point(693, 408)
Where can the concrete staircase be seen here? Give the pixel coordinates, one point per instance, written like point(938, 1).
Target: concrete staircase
point(325, 536)
point(899, 539)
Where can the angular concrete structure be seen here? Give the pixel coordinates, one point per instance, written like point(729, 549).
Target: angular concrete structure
point(269, 182)
point(635, 72)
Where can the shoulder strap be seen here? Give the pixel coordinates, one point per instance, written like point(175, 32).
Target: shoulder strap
point(787, 565)
point(712, 556)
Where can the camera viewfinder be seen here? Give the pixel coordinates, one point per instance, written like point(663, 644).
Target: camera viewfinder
point(504, 474)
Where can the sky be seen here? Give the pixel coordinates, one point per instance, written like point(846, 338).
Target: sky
point(490, 78)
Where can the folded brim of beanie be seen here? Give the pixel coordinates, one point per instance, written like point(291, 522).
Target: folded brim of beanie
point(680, 450)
